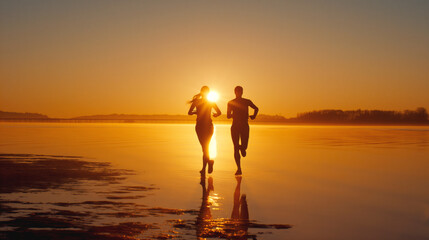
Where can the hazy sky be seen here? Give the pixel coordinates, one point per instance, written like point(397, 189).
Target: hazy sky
point(69, 58)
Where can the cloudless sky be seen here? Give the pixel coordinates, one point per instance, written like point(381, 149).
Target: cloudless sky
point(70, 58)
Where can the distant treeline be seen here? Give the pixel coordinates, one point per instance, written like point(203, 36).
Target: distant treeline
point(417, 116)
point(17, 115)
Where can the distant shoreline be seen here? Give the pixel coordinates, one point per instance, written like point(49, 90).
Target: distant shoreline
point(170, 121)
point(328, 117)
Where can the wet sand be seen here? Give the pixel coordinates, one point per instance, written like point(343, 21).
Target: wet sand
point(106, 215)
point(141, 181)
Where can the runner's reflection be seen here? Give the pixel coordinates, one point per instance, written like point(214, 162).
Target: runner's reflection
point(236, 227)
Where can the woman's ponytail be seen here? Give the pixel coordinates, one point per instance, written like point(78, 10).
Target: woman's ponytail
point(195, 98)
point(204, 89)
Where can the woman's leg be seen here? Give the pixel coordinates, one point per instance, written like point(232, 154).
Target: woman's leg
point(198, 130)
point(204, 136)
point(206, 150)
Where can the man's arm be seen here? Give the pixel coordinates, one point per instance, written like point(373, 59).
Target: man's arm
point(229, 111)
point(255, 110)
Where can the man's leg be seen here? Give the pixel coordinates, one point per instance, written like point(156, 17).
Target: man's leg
point(235, 135)
point(244, 134)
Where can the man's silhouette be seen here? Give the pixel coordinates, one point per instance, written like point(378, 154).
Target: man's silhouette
point(238, 110)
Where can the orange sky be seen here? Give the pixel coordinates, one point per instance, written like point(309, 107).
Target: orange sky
point(70, 58)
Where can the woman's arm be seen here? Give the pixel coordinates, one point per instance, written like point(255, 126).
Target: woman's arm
point(216, 108)
point(191, 109)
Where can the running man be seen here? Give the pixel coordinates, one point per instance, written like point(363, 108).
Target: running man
point(238, 110)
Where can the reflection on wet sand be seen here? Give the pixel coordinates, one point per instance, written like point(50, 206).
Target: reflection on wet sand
point(91, 205)
point(240, 210)
point(39, 173)
point(67, 197)
point(235, 227)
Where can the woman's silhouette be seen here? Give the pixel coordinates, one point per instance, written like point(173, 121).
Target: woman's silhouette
point(204, 126)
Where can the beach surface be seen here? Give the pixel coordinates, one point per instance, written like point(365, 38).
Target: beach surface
point(142, 181)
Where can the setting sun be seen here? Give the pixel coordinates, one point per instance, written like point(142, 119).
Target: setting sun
point(213, 96)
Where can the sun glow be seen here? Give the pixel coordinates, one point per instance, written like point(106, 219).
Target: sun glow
point(213, 96)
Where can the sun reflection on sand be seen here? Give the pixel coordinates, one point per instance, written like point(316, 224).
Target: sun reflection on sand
point(213, 145)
